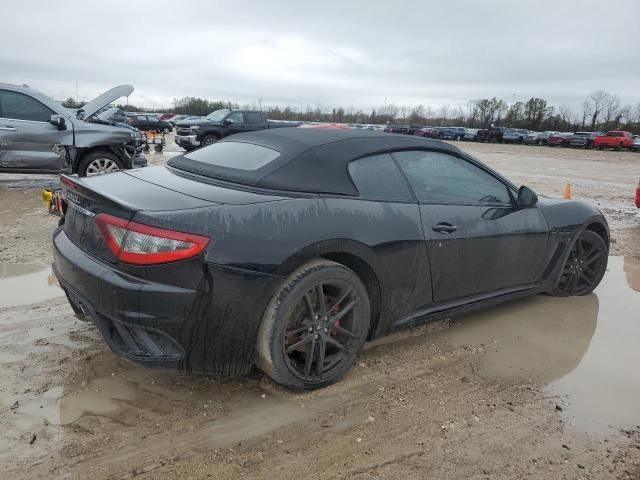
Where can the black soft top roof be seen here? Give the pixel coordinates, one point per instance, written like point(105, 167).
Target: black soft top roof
point(311, 160)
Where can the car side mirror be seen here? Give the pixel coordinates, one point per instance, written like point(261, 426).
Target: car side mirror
point(527, 198)
point(227, 122)
point(58, 121)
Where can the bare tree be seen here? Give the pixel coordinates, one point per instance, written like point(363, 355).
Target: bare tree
point(443, 112)
point(594, 104)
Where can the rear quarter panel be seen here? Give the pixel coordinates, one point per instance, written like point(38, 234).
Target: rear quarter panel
point(277, 237)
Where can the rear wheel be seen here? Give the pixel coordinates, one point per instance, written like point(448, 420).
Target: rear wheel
point(584, 267)
point(314, 327)
point(98, 163)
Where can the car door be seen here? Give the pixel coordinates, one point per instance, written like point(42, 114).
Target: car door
point(27, 140)
point(253, 121)
point(477, 239)
point(237, 123)
point(388, 221)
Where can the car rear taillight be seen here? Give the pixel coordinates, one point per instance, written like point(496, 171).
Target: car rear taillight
point(140, 244)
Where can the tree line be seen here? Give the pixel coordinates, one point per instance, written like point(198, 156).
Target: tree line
point(601, 110)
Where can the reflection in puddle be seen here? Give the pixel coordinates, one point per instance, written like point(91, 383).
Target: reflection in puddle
point(584, 348)
point(24, 284)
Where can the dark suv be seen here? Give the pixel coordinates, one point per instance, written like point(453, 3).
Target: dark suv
point(146, 123)
point(493, 134)
point(583, 139)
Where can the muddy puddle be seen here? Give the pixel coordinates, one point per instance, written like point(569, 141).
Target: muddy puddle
point(585, 350)
point(24, 284)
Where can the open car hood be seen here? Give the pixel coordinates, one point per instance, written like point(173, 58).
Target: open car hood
point(103, 100)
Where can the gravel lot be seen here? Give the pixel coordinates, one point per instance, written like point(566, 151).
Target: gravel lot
point(542, 388)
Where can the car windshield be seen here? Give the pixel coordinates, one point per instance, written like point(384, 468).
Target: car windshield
point(217, 116)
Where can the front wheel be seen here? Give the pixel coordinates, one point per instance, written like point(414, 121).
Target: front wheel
point(98, 163)
point(315, 326)
point(166, 130)
point(584, 267)
point(208, 140)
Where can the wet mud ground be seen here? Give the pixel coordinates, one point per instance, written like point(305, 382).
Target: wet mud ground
point(538, 388)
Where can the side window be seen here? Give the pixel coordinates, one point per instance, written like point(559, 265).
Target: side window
point(441, 178)
point(22, 107)
point(378, 177)
point(235, 117)
point(252, 117)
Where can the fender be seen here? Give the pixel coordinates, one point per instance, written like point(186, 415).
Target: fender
point(567, 220)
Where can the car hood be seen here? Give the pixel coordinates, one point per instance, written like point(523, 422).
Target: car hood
point(103, 100)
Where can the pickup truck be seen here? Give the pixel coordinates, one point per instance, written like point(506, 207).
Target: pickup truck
point(38, 135)
point(617, 139)
point(192, 134)
point(494, 134)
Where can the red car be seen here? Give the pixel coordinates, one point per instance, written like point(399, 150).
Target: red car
point(614, 139)
point(560, 140)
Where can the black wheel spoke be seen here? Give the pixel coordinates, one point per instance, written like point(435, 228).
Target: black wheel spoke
point(337, 303)
point(332, 341)
point(309, 304)
point(344, 332)
point(587, 269)
point(296, 330)
point(574, 282)
point(321, 353)
point(594, 250)
point(306, 339)
point(308, 361)
point(593, 258)
point(342, 312)
point(322, 306)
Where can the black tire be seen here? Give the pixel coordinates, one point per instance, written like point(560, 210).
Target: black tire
point(166, 130)
point(90, 163)
point(291, 347)
point(585, 266)
point(158, 147)
point(208, 140)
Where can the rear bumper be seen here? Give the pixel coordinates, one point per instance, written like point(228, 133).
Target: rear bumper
point(210, 330)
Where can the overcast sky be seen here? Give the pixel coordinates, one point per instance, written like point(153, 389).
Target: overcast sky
point(332, 53)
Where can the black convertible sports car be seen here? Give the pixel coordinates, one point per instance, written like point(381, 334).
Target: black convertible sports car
point(290, 248)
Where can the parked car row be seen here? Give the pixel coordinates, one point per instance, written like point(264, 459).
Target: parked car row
point(615, 139)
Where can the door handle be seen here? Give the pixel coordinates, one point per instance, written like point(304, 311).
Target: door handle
point(9, 129)
point(444, 228)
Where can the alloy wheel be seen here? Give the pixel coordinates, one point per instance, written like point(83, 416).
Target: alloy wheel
point(101, 166)
point(323, 330)
point(583, 268)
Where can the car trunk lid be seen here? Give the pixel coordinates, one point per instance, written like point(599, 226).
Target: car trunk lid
point(116, 194)
point(123, 194)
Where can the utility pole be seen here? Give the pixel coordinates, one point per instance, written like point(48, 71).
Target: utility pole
point(77, 99)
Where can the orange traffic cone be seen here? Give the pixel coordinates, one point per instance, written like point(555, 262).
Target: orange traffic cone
point(567, 191)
